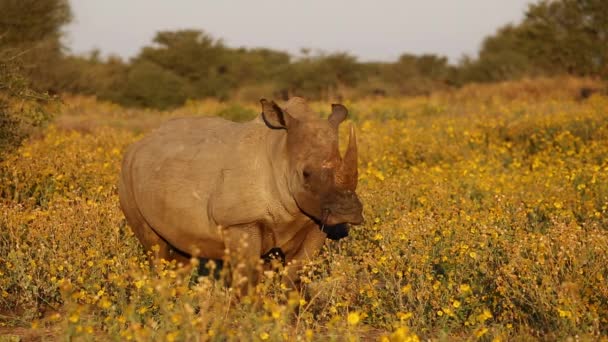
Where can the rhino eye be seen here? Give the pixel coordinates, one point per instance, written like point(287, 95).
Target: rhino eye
point(306, 173)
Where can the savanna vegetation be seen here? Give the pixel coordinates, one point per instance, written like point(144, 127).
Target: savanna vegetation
point(486, 204)
point(556, 37)
point(486, 217)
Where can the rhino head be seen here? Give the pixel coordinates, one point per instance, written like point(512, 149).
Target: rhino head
point(322, 182)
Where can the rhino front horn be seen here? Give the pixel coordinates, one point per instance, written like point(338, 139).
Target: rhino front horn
point(347, 174)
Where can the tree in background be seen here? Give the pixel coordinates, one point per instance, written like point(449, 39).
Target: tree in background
point(192, 55)
point(16, 122)
point(569, 35)
point(555, 37)
point(417, 75)
point(321, 76)
point(150, 85)
point(92, 75)
point(502, 57)
point(30, 32)
point(192, 64)
point(26, 22)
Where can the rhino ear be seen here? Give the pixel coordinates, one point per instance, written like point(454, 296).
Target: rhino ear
point(274, 116)
point(338, 114)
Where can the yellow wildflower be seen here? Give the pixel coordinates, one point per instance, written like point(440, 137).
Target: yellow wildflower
point(353, 318)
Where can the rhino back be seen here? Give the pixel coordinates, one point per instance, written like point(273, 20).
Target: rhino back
point(179, 171)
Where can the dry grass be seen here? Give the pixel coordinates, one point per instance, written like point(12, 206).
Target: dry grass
point(487, 218)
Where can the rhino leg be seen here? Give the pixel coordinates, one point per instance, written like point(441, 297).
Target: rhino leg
point(205, 269)
point(311, 245)
point(156, 245)
point(244, 247)
point(274, 254)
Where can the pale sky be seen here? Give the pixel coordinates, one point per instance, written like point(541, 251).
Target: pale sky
point(374, 30)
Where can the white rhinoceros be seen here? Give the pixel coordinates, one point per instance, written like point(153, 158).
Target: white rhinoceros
point(211, 188)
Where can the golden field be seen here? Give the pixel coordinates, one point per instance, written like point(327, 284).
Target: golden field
point(486, 218)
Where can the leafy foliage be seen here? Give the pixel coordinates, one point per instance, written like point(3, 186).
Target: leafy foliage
point(30, 31)
point(565, 36)
point(31, 21)
point(555, 37)
point(22, 110)
point(29, 38)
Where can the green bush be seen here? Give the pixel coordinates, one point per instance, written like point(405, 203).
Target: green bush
point(22, 110)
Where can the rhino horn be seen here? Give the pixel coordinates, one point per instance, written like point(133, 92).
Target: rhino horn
point(347, 172)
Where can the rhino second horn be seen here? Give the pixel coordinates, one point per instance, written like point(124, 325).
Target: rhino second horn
point(347, 173)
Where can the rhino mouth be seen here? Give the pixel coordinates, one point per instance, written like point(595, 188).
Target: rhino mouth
point(333, 231)
point(334, 217)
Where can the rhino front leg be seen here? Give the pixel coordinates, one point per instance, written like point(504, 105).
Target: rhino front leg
point(243, 250)
point(311, 245)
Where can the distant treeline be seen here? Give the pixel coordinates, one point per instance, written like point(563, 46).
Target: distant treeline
point(555, 37)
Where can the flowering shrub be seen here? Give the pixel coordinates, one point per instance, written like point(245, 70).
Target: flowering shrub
point(486, 217)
